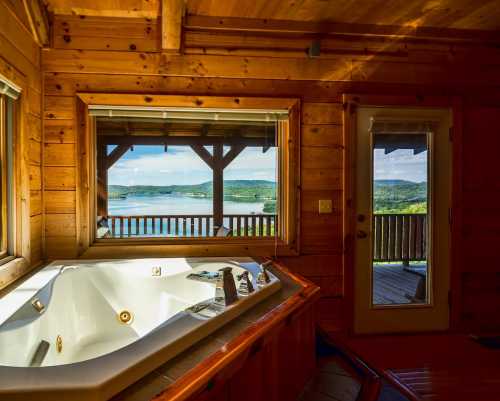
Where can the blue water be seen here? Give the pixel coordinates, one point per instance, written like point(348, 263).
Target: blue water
point(176, 204)
point(171, 205)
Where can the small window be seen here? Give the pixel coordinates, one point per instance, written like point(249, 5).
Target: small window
point(181, 174)
point(6, 176)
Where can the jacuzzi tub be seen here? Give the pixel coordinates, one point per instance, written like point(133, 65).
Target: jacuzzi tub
point(85, 330)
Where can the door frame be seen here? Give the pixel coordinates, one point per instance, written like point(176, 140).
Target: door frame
point(350, 104)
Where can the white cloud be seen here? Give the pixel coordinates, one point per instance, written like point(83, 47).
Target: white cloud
point(401, 164)
point(183, 166)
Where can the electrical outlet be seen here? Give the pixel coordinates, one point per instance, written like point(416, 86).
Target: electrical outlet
point(325, 206)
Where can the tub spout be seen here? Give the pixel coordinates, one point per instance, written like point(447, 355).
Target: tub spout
point(225, 289)
point(263, 277)
point(246, 286)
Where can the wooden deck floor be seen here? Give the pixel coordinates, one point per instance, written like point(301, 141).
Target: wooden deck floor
point(391, 284)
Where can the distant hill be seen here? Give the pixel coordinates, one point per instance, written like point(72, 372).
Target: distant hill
point(400, 196)
point(244, 190)
point(394, 182)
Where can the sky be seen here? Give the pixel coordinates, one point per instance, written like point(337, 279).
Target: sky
point(150, 165)
point(401, 164)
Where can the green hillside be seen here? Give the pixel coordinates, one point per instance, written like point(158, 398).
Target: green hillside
point(235, 190)
point(400, 196)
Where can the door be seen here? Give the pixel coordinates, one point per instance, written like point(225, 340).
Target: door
point(402, 200)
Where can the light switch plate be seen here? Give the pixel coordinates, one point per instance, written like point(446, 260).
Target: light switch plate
point(325, 206)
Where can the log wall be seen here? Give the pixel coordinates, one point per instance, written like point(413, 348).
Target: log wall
point(97, 54)
point(20, 62)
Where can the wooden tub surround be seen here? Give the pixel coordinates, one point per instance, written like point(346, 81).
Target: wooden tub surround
point(265, 354)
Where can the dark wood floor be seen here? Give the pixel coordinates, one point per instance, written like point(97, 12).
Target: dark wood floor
point(392, 284)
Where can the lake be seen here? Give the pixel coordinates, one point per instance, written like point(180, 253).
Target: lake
point(176, 204)
point(171, 205)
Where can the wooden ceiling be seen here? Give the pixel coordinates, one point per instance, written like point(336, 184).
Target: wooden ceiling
point(463, 14)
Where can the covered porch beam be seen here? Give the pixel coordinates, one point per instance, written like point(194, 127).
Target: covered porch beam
point(184, 140)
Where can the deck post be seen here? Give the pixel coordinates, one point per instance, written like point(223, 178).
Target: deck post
point(218, 186)
point(102, 180)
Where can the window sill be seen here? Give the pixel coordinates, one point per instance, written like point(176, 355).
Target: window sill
point(12, 269)
point(123, 248)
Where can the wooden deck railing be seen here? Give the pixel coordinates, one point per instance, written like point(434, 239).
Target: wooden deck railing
point(399, 237)
point(239, 225)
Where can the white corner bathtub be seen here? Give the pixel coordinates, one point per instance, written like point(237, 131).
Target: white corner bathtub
point(85, 330)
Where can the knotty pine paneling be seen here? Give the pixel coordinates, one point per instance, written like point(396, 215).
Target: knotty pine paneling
point(130, 64)
point(59, 131)
point(60, 225)
point(60, 202)
point(59, 107)
point(59, 154)
point(20, 62)
point(35, 174)
point(35, 203)
point(57, 247)
point(59, 178)
point(322, 135)
point(36, 238)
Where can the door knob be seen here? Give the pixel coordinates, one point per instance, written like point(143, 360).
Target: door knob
point(361, 234)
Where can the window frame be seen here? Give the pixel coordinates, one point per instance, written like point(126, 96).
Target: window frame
point(7, 179)
point(18, 262)
point(289, 164)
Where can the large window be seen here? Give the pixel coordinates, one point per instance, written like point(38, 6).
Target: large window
point(186, 174)
point(6, 175)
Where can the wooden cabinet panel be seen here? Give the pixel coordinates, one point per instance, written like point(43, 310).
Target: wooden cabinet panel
point(277, 366)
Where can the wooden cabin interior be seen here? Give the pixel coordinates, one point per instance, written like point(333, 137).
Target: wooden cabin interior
point(249, 200)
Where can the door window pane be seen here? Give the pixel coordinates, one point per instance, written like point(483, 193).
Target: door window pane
point(400, 218)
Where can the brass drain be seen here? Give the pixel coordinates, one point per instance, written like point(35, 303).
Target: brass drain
point(125, 317)
point(59, 344)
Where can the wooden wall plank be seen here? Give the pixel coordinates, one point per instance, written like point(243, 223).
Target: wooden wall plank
point(322, 135)
point(86, 61)
point(61, 247)
point(59, 107)
point(59, 131)
point(35, 178)
point(34, 152)
point(36, 236)
point(59, 178)
point(60, 225)
point(60, 201)
point(35, 203)
point(59, 154)
point(18, 35)
point(321, 179)
point(321, 158)
point(34, 127)
point(322, 113)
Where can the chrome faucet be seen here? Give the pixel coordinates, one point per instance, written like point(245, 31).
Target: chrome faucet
point(263, 277)
point(246, 286)
point(225, 288)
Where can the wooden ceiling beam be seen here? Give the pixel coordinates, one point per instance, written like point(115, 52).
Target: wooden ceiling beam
point(38, 20)
point(172, 15)
point(281, 27)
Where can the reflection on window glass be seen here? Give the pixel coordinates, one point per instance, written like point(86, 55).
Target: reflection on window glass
point(400, 216)
point(202, 179)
